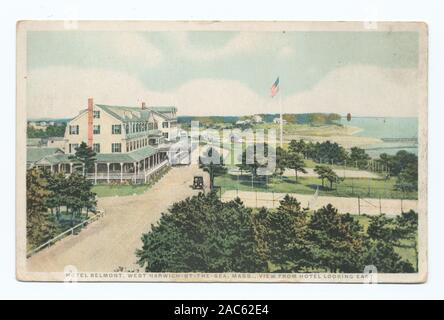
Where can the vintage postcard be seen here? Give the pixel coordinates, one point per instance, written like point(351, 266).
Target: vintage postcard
point(222, 151)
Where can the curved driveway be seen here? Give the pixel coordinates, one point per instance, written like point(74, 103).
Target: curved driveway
point(111, 242)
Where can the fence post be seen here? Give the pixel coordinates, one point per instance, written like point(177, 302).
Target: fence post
point(256, 198)
point(380, 206)
point(359, 205)
point(273, 198)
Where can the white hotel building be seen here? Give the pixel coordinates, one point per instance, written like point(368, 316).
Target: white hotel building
point(131, 143)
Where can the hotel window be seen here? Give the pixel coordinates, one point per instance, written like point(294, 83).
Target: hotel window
point(165, 134)
point(150, 126)
point(127, 129)
point(74, 129)
point(127, 147)
point(96, 129)
point(116, 147)
point(164, 125)
point(96, 147)
point(73, 147)
point(116, 129)
point(96, 114)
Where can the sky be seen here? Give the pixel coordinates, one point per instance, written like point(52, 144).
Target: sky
point(224, 72)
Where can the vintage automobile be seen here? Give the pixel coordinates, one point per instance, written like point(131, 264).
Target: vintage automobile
point(198, 182)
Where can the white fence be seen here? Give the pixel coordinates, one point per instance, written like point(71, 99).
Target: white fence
point(99, 214)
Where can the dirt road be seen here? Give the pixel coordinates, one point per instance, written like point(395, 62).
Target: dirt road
point(343, 173)
point(112, 241)
point(344, 205)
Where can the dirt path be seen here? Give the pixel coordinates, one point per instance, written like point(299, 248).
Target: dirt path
point(344, 205)
point(347, 173)
point(111, 241)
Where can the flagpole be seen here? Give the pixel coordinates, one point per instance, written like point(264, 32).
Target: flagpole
point(281, 119)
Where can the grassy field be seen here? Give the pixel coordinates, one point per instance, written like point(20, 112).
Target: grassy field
point(111, 190)
point(119, 190)
point(350, 187)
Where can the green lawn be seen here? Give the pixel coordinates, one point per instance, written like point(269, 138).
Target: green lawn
point(111, 190)
point(119, 190)
point(350, 187)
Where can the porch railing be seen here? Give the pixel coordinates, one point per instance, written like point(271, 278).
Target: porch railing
point(117, 175)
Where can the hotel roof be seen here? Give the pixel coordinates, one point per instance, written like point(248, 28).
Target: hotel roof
point(134, 156)
point(128, 114)
point(34, 154)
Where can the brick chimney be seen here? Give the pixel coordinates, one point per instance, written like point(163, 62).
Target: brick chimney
point(143, 105)
point(90, 121)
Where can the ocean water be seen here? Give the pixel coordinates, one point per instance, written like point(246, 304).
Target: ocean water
point(402, 133)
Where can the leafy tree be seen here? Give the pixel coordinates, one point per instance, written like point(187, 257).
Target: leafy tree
point(214, 168)
point(384, 235)
point(407, 179)
point(281, 236)
point(329, 152)
point(86, 156)
point(202, 234)
point(281, 158)
point(50, 131)
point(359, 157)
point(337, 240)
point(258, 160)
point(56, 186)
point(322, 172)
point(56, 130)
point(327, 173)
point(40, 224)
point(384, 257)
point(78, 195)
point(383, 228)
point(297, 146)
point(407, 228)
point(294, 161)
point(332, 177)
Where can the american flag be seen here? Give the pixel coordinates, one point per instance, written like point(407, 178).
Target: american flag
point(275, 88)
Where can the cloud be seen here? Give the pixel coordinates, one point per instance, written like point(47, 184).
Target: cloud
point(63, 91)
point(361, 90)
point(242, 43)
point(132, 47)
point(114, 50)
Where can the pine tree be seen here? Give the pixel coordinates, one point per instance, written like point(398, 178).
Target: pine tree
point(281, 236)
point(337, 240)
point(86, 156)
point(294, 161)
point(202, 234)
